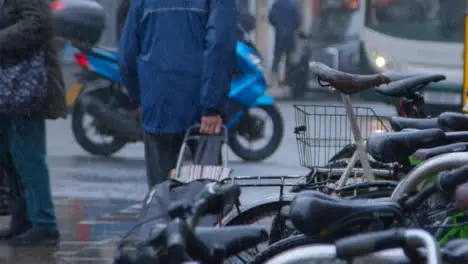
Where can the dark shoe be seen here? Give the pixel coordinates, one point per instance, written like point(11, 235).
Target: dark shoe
point(14, 231)
point(19, 221)
point(37, 237)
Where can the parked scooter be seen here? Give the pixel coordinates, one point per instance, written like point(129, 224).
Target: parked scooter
point(114, 116)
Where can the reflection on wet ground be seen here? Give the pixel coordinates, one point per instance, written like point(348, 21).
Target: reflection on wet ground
point(89, 230)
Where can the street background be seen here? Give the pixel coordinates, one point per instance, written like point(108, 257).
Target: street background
point(98, 198)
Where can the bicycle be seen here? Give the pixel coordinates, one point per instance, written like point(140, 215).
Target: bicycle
point(320, 218)
point(272, 205)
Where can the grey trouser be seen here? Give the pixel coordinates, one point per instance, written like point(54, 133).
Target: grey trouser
point(161, 153)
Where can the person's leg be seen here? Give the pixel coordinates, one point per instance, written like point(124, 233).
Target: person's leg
point(27, 145)
point(161, 152)
point(19, 220)
point(278, 52)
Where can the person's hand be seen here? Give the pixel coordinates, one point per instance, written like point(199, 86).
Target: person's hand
point(211, 125)
point(461, 196)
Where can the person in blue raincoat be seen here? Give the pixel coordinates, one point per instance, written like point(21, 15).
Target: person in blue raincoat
point(285, 17)
point(176, 59)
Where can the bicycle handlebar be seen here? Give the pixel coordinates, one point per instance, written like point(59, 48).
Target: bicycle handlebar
point(180, 232)
point(446, 182)
point(355, 246)
point(449, 181)
point(365, 246)
point(360, 245)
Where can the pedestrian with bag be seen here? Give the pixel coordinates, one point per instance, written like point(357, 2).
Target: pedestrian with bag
point(176, 60)
point(31, 90)
point(285, 17)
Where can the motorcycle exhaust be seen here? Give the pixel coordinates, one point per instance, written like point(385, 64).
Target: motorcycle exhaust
point(116, 122)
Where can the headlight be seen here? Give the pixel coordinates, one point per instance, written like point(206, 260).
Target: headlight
point(256, 60)
point(380, 62)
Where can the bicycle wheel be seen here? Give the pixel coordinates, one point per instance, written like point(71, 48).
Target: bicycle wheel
point(263, 214)
point(285, 245)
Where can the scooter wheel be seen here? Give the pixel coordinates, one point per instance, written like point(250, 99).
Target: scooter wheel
point(100, 149)
point(270, 148)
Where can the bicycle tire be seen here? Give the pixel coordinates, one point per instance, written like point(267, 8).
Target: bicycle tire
point(254, 215)
point(262, 211)
point(284, 245)
point(250, 215)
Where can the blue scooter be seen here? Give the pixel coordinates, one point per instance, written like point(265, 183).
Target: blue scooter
point(114, 115)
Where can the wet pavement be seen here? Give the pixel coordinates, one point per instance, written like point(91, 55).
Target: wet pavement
point(97, 199)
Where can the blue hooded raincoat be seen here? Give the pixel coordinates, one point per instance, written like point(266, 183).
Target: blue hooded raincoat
point(176, 60)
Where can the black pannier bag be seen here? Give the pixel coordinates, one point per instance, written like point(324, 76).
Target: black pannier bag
point(158, 201)
point(154, 213)
point(79, 20)
point(134, 247)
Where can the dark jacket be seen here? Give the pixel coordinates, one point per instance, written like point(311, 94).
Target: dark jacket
point(25, 27)
point(285, 17)
point(176, 60)
point(122, 12)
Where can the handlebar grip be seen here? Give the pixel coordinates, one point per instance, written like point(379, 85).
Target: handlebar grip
point(449, 181)
point(359, 245)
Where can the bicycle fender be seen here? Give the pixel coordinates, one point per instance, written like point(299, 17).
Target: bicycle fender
point(265, 100)
point(287, 198)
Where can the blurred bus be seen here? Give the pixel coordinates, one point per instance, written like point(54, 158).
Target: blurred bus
point(417, 36)
point(333, 39)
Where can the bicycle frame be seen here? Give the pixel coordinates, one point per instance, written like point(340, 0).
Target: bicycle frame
point(360, 152)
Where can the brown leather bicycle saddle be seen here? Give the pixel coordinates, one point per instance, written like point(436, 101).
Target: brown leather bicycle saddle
point(346, 83)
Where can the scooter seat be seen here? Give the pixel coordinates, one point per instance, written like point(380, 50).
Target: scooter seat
point(108, 54)
point(397, 147)
point(232, 239)
point(400, 123)
point(320, 213)
point(408, 86)
point(450, 121)
point(112, 50)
